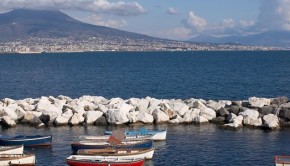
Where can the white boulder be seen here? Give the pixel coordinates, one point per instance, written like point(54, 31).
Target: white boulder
point(199, 120)
point(116, 116)
point(144, 117)
point(7, 121)
point(271, 121)
point(160, 116)
point(208, 113)
point(92, 116)
point(259, 102)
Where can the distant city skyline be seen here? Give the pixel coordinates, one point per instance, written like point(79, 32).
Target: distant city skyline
point(172, 19)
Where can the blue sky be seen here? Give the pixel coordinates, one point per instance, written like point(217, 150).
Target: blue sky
point(174, 19)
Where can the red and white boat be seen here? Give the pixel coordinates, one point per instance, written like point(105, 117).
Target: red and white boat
point(17, 159)
point(121, 153)
point(79, 160)
point(11, 149)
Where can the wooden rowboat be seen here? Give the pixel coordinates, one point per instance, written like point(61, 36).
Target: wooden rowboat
point(11, 149)
point(139, 144)
point(156, 135)
point(17, 159)
point(121, 153)
point(37, 140)
point(282, 160)
point(78, 160)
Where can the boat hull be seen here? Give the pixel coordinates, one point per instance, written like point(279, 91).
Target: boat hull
point(11, 149)
point(146, 144)
point(26, 141)
point(17, 160)
point(282, 160)
point(156, 135)
point(92, 161)
point(122, 154)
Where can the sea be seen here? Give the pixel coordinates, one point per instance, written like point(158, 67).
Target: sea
point(216, 75)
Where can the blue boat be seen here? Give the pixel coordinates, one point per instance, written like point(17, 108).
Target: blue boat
point(36, 140)
point(156, 135)
point(134, 144)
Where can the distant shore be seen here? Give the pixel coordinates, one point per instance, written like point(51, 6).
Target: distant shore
point(263, 113)
point(98, 51)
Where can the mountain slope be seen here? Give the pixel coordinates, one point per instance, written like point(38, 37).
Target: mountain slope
point(271, 38)
point(23, 23)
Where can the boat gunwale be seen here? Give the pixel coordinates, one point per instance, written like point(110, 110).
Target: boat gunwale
point(141, 151)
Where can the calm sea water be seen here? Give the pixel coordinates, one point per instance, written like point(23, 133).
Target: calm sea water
point(208, 75)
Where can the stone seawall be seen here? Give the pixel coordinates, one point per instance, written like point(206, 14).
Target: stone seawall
point(256, 112)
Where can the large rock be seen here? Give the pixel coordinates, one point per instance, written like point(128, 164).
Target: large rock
point(29, 115)
point(25, 105)
point(267, 109)
point(78, 109)
point(198, 104)
point(237, 122)
point(116, 116)
point(142, 105)
point(43, 104)
point(167, 109)
point(10, 111)
point(230, 118)
point(92, 116)
point(235, 109)
point(48, 116)
point(132, 116)
point(102, 121)
point(76, 119)
point(61, 121)
point(271, 121)
point(259, 102)
point(160, 116)
point(180, 108)
point(251, 118)
point(215, 105)
point(285, 111)
point(222, 112)
point(199, 120)
point(280, 100)
point(144, 117)
point(7, 121)
point(102, 108)
point(250, 113)
point(35, 121)
point(208, 113)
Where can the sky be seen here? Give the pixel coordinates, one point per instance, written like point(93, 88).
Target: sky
point(172, 19)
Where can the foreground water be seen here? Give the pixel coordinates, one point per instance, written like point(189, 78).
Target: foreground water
point(208, 75)
point(185, 145)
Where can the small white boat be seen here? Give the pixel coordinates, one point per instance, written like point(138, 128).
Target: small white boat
point(156, 135)
point(11, 149)
point(17, 159)
point(282, 160)
point(121, 153)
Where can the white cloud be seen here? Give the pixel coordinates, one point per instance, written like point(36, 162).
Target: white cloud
point(195, 22)
point(246, 23)
point(98, 20)
point(274, 15)
point(179, 33)
point(172, 11)
point(97, 6)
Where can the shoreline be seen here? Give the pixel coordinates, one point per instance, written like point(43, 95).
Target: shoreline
point(118, 51)
point(260, 113)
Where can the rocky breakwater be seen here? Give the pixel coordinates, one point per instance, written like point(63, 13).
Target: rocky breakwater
point(95, 110)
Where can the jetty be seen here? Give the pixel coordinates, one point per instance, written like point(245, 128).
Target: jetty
point(256, 112)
